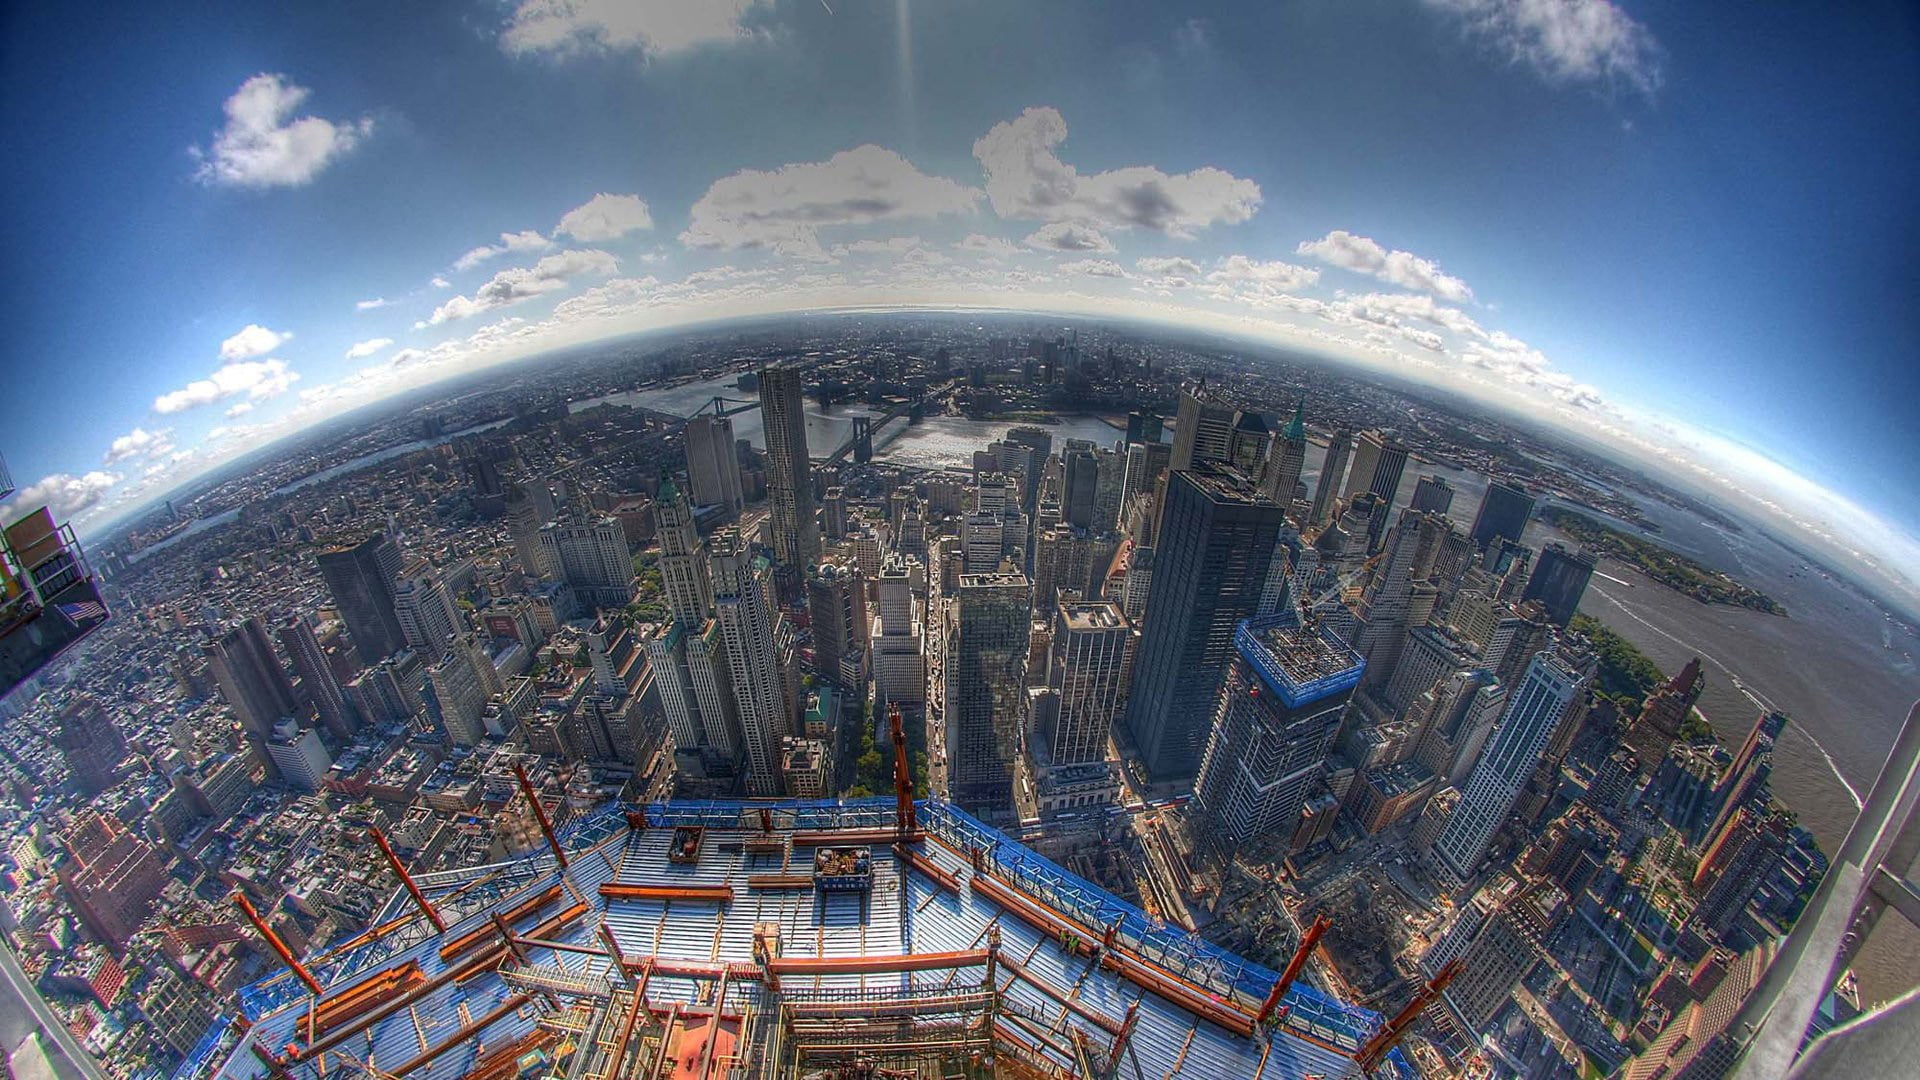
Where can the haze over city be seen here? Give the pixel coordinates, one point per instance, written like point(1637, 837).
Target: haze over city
point(602, 539)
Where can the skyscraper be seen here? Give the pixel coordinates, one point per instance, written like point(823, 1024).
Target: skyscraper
point(592, 557)
point(1082, 472)
point(1432, 494)
point(1216, 543)
point(425, 610)
point(1503, 513)
point(90, 744)
point(1277, 712)
point(250, 677)
point(110, 876)
point(1203, 430)
point(684, 574)
point(1559, 580)
point(1332, 469)
point(899, 666)
point(1379, 459)
point(360, 578)
point(713, 465)
point(1534, 711)
point(1665, 712)
point(985, 689)
point(1088, 666)
point(1285, 458)
point(317, 680)
point(796, 529)
point(837, 606)
point(740, 595)
point(1745, 781)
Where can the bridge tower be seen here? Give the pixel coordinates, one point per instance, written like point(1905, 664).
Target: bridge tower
point(862, 439)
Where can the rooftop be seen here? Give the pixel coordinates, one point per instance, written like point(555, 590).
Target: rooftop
point(1302, 662)
point(964, 941)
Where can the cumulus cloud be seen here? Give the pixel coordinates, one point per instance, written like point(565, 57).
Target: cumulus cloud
point(1363, 255)
point(257, 379)
point(526, 282)
point(360, 349)
point(605, 217)
point(1066, 236)
point(239, 409)
point(369, 305)
point(650, 27)
point(1106, 268)
point(1565, 41)
point(525, 240)
point(1026, 179)
point(64, 493)
point(988, 245)
point(1246, 274)
point(440, 282)
point(1176, 265)
point(782, 210)
point(263, 146)
point(891, 245)
point(139, 443)
point(252, 341)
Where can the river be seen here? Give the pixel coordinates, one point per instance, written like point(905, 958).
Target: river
point(936, 442)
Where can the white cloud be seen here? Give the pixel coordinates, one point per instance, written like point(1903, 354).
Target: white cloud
point(1066, 236)
point(605, 217)
point(440, 282)
point(525, 240)
point(258, 379)
point(369, 305)
point(1026, 179)
point(988, 245)
point(64, 493)
point(1176, 265)
point(783, 210)
point(366, 348)
point(252, 341)
point(239, 409)
point(1403, 268)
point(1106, 268)
point(260, 147)
point(139, 443)
point(650, 27)
point(1566, 41)
point(526, 282)
point(1262, 276)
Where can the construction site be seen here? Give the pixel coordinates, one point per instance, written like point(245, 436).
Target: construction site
point(883, 937)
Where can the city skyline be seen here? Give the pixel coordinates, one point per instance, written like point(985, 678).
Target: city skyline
point(283, 206)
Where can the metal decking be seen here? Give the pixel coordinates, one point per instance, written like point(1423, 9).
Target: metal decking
point(908, 911)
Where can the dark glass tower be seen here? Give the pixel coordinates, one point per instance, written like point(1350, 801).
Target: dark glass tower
point(1559, 581)
point(1504, 512)
point(1216, 540)
point(796, 528)
point(361, 581)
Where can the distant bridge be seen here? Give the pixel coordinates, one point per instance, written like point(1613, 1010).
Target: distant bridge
point(860, 442)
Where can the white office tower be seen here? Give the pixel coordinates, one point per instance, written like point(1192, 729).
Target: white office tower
point(982, 538)
point(1202, 431)
point(713, 466)
point(1534, 711)
point(1455, 717)
point(461, 694)
point(899, 667)
point(298, 754)
point(592, 557)
point(740, 588)
point(1088, 667)
point(990, 494)
point(426, 612)
point(683, 564)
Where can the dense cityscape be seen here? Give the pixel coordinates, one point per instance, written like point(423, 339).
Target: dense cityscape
point(893, 697)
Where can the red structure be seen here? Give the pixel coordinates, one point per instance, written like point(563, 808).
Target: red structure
point(1308, 941)
point(273, 939)
point(904, 819)
point(539, 812)
point(1391, 1032)
point(419, 898)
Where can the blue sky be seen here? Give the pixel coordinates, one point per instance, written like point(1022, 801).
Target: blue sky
point(1688, 229)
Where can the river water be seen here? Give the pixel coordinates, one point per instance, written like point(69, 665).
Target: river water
point(937, 442)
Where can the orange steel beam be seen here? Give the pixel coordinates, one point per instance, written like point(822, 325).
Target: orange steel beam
point(1377, 1048)
point(832, 837)
point(487, 960)
point(273, 939)
point(368, 994)
point(872, 965)
point(904, 820)
point(471, 939)
point(539, 812)
point(1307, 942)
point(427, 1056)
point(399, 869)
point(615, 890)
point(626, 1035)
